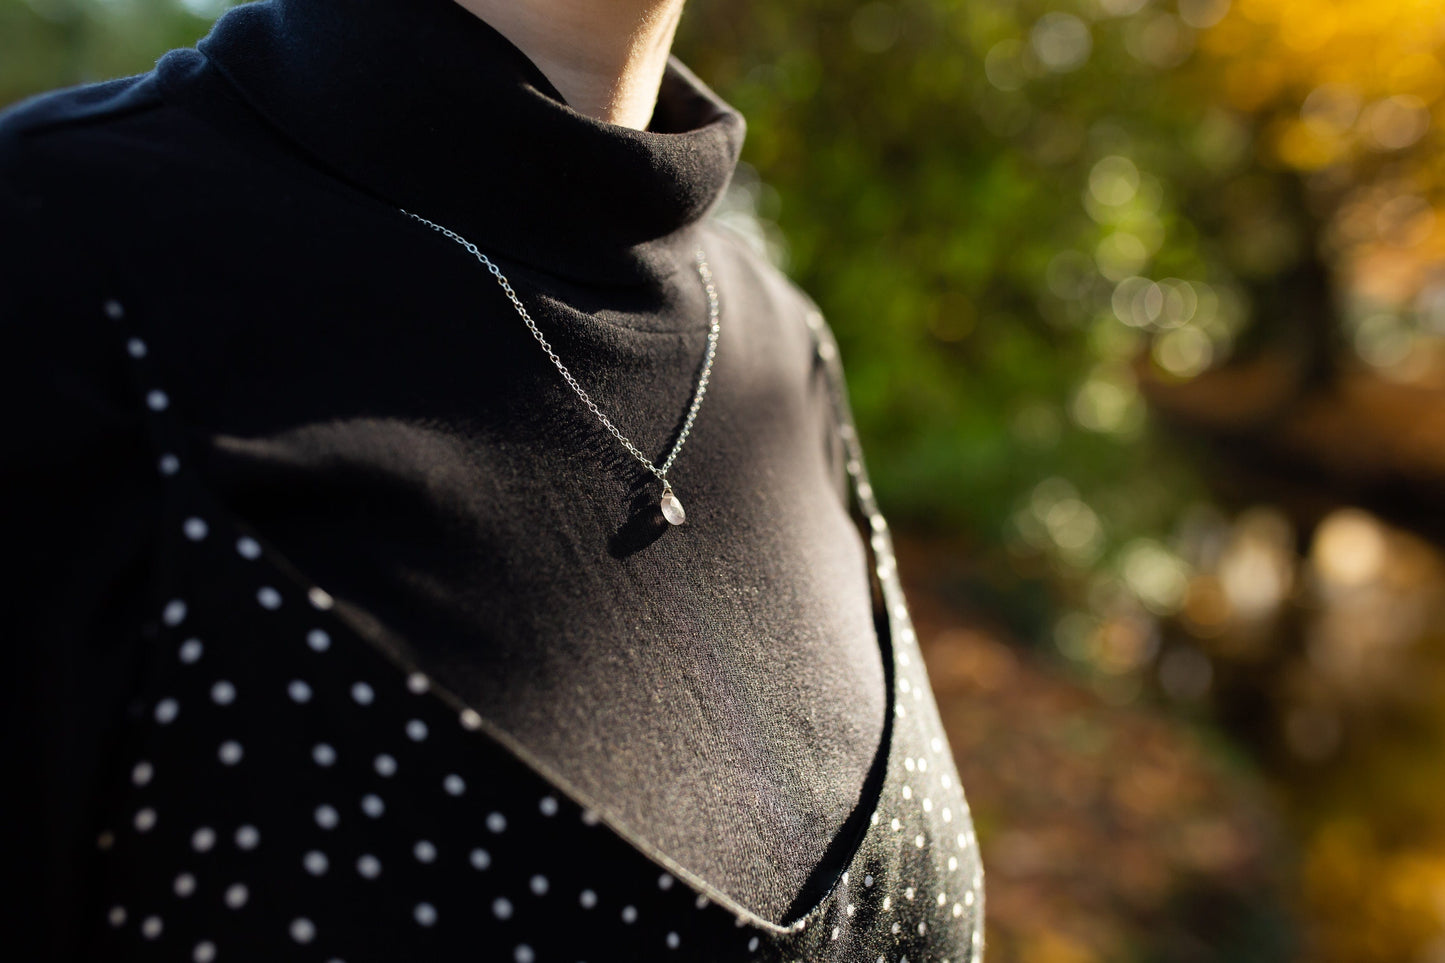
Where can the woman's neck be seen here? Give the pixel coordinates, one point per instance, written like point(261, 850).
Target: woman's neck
point(606, 57)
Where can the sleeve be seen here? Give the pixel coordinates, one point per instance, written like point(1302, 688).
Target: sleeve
point(77, 523)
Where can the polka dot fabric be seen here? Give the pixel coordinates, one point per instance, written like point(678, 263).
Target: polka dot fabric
point(292, 787)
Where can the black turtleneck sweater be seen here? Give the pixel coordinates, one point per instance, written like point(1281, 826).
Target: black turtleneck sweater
point(358, 388)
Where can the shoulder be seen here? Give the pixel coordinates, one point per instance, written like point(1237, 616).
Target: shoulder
point(109, 162)
point(797, 336)
point(769, 289)
point(70, 160)
point(85, 129)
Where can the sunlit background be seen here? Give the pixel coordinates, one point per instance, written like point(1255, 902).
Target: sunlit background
point(1143, 309)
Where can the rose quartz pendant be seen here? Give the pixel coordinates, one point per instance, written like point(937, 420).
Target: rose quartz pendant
point(672, 508)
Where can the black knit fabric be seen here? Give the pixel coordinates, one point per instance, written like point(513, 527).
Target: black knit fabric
point(354, 391)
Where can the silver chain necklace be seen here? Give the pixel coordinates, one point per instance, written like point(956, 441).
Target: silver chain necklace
point(670, 504)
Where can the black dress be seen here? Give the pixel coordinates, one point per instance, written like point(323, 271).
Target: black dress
point(330, 664)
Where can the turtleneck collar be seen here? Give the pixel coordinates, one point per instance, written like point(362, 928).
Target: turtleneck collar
point(425, 105)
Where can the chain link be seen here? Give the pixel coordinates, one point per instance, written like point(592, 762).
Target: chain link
point(703, 270)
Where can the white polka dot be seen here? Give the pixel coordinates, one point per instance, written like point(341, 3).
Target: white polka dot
point(145, 819)
point(922, 763)
point(897, 928)
point(918, 840)
point(203, 839)
point(908, 763)
point(523, 954)
point(116, 916)
point(174, 612)
point(957, 910)
point(896, 824)
point(907, 792)
point(248, 547)
point(368, 866)
point(538, 884)
point(362, 693)
point(502, 908)
point(908, 892)
point(701, 901)
point(851, 909)
point(753, 945)
point(470, 719)
point(952, 863)
point(665, 881)
point(968, 898)
point(424, 851)
point(204, 952)
point(318, 640)
point(191, 650)
point(151, 927)
point(455, 786)
point(195, 528)
point(326, 817)
point(303, 930)
point(315, 862)
point(247, 837)
point(836, 931)
point(298, 690)
point(425, 914)
point(223, 693)
point(887, 902)
point(236, 895)
point(169, 464)
point(416, 730)
point(113, 309)
point(547, 806)
point(629, 914)
point(323, 754)
point(230, 752)
point(142, 773)
point(480, 858)
point(417, 683)
point(590, 817)
point(319, 598)
point(268, 597)
point(942, 898)
point(947, 814)
point(962, 841)
point(922, 928)
point(588, 899)
point(157, 400)
point(184, 885)
point(372, 805)
point(936, 744)
point(496, 822)
point(673, 940)
point(385, 765)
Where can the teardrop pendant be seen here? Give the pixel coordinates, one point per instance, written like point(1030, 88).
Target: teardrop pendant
point(672, 508)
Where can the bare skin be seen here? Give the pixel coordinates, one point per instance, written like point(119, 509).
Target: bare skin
point(606, 57)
